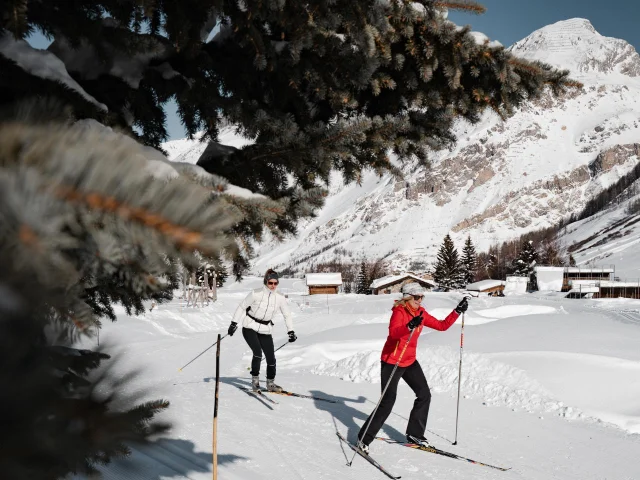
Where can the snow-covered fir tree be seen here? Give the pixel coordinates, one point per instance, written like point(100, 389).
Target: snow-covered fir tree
point(525, 261)
point(468, 263)
point(221, 275)
point(447, 272)
point(363, 280)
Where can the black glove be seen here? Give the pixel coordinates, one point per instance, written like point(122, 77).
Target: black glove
point(292, 336)
point(462, 306)
point(232, 328)
point(415, 322)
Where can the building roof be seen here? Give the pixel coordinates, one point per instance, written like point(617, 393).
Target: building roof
point(611, 284)
point(391, 279)
point(484, 285)
point(589, 270)
point(549, 268)
point(317, 279)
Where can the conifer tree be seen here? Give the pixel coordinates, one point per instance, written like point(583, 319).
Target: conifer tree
point(85, 223)
point(469, 262)
point(362, 280)
point(60, 413)
point(221, 275)
point(447, 272)
point(526, 259)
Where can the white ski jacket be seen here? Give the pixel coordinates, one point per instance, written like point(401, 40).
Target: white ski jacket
point(264, 303)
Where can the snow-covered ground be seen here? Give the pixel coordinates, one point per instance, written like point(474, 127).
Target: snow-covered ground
point(550, 388)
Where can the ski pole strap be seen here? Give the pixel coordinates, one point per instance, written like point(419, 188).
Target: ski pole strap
point(257, 320)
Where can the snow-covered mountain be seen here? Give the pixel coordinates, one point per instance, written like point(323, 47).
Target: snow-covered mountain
point(502, 179)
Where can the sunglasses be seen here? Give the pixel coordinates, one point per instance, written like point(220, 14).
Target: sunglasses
point(272, 283)
point(417, 298)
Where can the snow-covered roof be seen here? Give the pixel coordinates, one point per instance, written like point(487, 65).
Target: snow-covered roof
point(548, 269)
point(573, 269)
point(484, 285)
point(316, 279)
point(390, 279)
point(588, 270)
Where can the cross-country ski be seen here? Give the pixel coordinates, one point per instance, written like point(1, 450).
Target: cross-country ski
point(433, 449)
point(366, 456)
point(300, 395)
point(259, 393)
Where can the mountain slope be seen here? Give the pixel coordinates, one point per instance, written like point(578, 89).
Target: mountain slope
point(503, 178)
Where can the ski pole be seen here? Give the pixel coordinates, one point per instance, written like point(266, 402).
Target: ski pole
point(455, 442)
point(384, 390)
point(211, 346)
point(215, 413)
point(283, 345)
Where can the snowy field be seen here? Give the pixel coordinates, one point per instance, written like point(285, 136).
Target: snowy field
point(550, 388)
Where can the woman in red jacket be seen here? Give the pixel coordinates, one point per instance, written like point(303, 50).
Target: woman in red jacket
point(408, 314)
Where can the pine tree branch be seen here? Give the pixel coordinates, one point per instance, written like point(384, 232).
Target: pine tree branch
point(332, 139)
point(467, 6)
point(184, 238)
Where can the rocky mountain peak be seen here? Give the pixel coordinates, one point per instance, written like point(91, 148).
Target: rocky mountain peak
point(575, 44)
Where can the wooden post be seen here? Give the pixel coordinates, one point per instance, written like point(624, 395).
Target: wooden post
point(215, 414)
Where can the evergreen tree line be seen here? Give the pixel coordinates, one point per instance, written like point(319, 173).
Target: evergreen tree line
point(517, 257)
point(452, 270)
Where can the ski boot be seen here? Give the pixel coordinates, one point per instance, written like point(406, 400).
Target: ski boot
point(419, 440)
point(255, 383)
point(363, 447)
point(272, 387)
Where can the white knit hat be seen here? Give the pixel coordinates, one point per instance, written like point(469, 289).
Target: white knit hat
point(412, 288)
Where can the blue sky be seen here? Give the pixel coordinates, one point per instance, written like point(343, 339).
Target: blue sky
point(509, 21)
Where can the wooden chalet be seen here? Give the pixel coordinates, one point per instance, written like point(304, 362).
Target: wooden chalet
point(393, 283)
point(489, 286)
point(323, 283)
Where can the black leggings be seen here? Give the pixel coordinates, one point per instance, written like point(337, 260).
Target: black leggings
point(259, 343)
point(414, 376)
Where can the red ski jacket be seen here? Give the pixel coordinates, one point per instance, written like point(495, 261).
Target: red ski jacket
point(399, 334)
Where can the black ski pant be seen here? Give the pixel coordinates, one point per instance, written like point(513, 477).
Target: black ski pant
point(414, 376)
point(260, 343)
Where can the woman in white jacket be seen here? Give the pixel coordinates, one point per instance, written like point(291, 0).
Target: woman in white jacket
point(256, 312)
